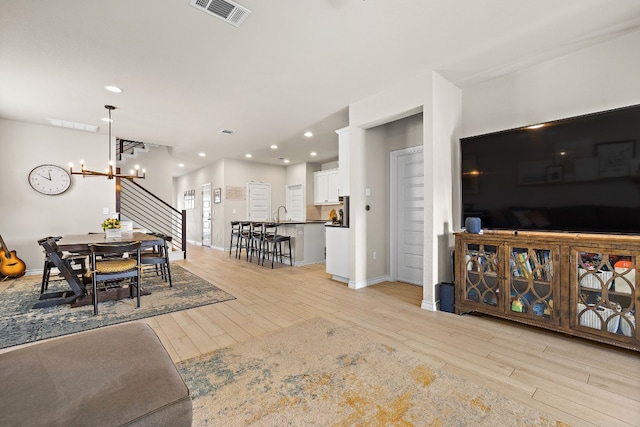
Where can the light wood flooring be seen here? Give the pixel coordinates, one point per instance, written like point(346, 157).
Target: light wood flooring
point(573, 380)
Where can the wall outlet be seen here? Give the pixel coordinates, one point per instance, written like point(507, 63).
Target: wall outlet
point(105, 211)
point(375, 255)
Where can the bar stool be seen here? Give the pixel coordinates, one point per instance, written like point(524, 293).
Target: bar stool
point(256, 240)
point(272, 245)
point(235, 232)
point(244, 239)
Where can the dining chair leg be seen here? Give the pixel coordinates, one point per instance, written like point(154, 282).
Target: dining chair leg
point(45, 276)
point(169, 273)
point(138, 289)
point(95, 295)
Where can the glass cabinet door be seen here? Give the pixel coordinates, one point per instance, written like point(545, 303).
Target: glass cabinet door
point(606, 288)
point(531, 284)
point(481, 274)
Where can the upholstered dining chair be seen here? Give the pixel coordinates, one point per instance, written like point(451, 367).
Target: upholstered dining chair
point(105, 269)
point(158, 257)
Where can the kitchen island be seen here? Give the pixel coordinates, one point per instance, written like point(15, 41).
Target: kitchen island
point(307, 240)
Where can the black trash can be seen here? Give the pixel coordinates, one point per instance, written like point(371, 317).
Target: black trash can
point(447, 297)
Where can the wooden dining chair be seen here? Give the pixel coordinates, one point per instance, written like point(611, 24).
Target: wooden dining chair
point(105, 269)
point(158, 257)
point(76, 263)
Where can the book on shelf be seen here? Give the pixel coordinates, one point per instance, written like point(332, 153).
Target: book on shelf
point(525, 265)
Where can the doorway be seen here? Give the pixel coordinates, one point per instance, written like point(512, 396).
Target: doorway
point(206, 215)
point(259, 201)
point(407, 215)
point(295, 202)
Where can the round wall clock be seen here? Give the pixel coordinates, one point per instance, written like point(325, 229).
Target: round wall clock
point(50, 179)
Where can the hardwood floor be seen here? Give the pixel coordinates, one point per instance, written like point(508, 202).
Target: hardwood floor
point(573, 380)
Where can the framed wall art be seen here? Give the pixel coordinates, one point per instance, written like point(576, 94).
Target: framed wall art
point(614, 158)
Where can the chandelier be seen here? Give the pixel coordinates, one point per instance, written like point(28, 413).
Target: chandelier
point(109, 172)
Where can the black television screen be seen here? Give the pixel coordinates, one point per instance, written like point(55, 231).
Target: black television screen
point(578, 174)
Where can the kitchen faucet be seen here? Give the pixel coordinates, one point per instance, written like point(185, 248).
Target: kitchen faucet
point(278, 214)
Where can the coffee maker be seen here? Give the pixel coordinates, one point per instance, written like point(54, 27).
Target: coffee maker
point(344, 212)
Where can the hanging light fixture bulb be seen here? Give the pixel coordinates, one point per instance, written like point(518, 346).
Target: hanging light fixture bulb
point(109, 172)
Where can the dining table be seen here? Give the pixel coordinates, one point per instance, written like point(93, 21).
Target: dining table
point(77, 294)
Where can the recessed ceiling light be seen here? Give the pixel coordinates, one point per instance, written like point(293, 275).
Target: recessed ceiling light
point(286, 160)
point(180, 165)
point(114, 89)
point(274, 147)
point(106, 119)
point(248, 156)
point(308, 134)
point(313, 153)
point(202, 154)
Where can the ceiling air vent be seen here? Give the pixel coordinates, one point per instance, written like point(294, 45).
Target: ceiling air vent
point(226, 10)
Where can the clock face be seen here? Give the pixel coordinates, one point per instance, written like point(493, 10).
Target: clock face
point(49, 179)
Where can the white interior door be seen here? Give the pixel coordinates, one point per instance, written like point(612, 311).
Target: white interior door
point(408, 215)
point(295, 202)
point(259, 201)
point(206, 215)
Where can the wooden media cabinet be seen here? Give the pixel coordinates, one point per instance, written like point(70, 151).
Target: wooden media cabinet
point(579, 284)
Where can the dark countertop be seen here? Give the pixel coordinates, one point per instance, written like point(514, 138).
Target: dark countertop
point(335, 225)
point(290, 222)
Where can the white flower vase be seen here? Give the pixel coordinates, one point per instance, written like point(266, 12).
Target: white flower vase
point(112, 233)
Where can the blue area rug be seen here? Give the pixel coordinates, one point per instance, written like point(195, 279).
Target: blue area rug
point(20, 323)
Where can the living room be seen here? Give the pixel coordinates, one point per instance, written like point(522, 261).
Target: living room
point(586, 80)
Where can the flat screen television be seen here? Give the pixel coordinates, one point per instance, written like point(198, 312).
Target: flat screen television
point(580, 174)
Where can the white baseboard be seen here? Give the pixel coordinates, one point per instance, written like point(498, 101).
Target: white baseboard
point(429, 306)
point(369, 282)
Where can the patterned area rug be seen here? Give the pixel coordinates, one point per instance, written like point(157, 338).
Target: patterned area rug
point(20, 323)
point(320, 374)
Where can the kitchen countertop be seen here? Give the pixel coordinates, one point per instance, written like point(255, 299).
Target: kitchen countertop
point(293, 222)
point(335, 225)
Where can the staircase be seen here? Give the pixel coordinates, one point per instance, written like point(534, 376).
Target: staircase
point(126, 148)
point(145, 209)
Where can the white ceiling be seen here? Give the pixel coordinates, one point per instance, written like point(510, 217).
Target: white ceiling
point(292, 66)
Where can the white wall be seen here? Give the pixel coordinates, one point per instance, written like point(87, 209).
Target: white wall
point(213, 174)
point(440, 103)
point(222, 174)
point(156, 162)
point(25, 215)
point(590, 80)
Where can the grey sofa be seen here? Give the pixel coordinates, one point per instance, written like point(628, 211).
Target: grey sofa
point(120, 375)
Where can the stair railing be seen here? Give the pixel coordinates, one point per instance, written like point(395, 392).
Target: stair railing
point(144, 208)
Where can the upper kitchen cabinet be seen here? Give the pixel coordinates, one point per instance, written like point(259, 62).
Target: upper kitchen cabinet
point(326, 187)
point(343, 160)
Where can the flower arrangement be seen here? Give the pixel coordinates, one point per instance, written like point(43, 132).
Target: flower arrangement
point(110, 223)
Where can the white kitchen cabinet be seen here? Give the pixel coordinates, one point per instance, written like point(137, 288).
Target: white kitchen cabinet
point(326, 187)
point(343, 160)
point(337, 247)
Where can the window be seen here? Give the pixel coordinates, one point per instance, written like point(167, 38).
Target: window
point(190, 199)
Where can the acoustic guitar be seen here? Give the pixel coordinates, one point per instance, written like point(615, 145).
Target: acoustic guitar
point(10, 264)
